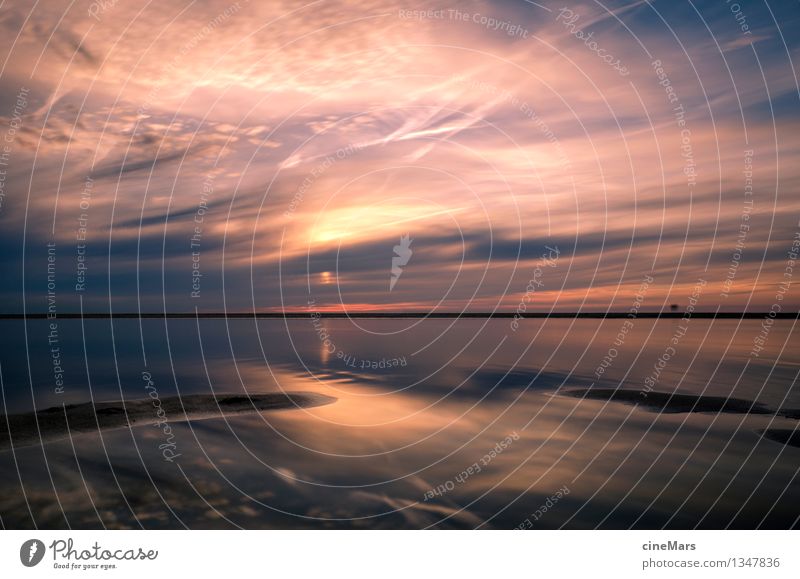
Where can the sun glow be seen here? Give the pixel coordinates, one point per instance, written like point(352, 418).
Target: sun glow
point(371, 223)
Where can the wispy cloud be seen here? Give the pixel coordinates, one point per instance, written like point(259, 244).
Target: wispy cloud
point(309, 138)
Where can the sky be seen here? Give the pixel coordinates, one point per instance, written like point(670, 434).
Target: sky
point(398, 156)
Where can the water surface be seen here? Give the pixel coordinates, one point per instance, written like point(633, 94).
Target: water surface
point(437, 423)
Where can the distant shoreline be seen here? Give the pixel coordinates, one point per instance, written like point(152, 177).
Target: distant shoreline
point(398, 315)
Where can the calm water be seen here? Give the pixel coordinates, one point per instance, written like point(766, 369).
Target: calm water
point(438, 423)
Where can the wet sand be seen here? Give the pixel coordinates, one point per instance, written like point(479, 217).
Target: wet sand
point(60, 422)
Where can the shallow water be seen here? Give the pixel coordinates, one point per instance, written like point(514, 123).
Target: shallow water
point(438, 423)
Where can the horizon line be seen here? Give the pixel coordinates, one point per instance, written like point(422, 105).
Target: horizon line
point(294, 314)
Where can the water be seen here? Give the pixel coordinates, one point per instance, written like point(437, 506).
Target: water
point(438, 423)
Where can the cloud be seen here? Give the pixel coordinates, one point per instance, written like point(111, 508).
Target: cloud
point(329, 130)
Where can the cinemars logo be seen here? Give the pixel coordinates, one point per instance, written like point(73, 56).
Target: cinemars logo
point(67, 556)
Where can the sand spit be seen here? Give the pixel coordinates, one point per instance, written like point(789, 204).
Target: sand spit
point(61, 421)
point(785, 436)
point(668, 403)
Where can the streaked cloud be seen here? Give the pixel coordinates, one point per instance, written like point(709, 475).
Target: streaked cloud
point(310, 138)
